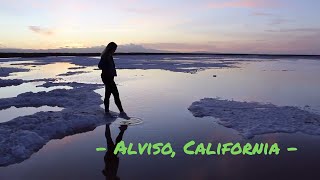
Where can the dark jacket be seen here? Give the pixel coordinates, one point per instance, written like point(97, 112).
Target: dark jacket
point(107, 66)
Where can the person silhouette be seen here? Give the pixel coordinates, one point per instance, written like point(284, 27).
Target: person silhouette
point(111, 160)
point(108, 68)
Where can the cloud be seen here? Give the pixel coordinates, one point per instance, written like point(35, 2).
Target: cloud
point(41, 30)
point(181, 47)
point(274, 19)
point(243, 4)
point(311, 30)
point(262, 14)
point(279, 20)
point(142, 10)
point(295, 45)
point(137, 48)
point(122, 48)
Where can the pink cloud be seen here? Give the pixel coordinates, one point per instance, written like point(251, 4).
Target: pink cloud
point(40, 30)
point(243, 4)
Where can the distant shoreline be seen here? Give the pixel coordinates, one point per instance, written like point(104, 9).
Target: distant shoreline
point(30, 55)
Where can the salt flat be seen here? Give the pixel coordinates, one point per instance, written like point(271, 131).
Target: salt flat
point(158, 89)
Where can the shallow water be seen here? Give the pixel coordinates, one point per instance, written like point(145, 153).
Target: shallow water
point(13, 112)
point(161, 98)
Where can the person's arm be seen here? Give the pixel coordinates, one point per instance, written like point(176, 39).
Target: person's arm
point(113, 67)
point(101, 63)
point(106, 63)
point(112, 63)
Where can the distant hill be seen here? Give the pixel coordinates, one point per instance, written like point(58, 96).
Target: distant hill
point(128, 48)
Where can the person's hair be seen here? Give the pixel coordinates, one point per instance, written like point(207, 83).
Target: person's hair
point(110, 48)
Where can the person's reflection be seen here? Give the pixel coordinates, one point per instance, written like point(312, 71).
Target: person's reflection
point(111, 160)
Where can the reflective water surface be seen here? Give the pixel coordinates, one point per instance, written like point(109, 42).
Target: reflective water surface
point(161, 98)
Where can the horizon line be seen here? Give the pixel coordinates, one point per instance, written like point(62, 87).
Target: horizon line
point(44, 54)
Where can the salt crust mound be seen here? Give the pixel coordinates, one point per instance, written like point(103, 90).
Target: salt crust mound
point(23, 136)
point(252, 118)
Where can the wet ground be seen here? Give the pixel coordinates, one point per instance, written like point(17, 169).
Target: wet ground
point(161, 98)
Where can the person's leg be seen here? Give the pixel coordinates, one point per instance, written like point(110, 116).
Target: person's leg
point(116, 96)
point(108, 138)
point(106, 101)
point(107, 94)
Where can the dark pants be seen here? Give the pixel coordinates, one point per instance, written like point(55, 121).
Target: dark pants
point(111, 88)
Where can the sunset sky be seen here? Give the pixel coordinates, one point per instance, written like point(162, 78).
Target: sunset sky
point(231, 26)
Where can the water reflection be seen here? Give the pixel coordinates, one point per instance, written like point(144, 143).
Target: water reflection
point(111, 160)
point(13, 112)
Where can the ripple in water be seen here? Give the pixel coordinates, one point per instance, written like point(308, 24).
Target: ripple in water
point(133, 121)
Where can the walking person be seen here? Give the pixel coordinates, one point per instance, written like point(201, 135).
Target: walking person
point(108, 68)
